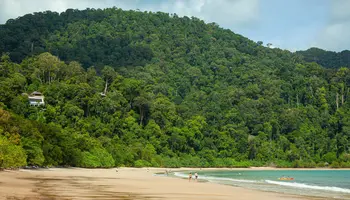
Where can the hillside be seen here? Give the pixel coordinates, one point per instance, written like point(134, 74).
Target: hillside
point(128, 88)
point(328, 59)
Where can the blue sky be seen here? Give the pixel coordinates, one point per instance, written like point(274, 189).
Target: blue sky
point(287, 24)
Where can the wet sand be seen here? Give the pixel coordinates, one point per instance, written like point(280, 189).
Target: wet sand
point(126, 184)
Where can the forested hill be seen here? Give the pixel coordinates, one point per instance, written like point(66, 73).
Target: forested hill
point(129, 88)
point(328, 59)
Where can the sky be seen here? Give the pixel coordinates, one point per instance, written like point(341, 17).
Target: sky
point(287, 24)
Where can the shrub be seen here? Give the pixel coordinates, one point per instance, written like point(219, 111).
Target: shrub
point(97, 158)
point(141, 163)
point(335, 164)
point(283, 164)
point(330, 157)
point(11, 155)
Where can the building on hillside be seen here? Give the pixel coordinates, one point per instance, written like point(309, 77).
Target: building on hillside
point(36, 99)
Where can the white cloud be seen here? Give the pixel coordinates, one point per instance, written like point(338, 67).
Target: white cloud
point(15, 8)
point(227, 13)
point(340, 10)
point(335, 36)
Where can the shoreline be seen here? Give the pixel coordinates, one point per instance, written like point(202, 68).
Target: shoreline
point(298, 196)
point(124, 183)
point(181, 168)
point(236, 169)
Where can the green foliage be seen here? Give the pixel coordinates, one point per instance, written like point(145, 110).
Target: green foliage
point(330, 157)
point(328, 59)
point(10, 154)
point(34, 152)
point(142, 163)
point(129, 88)
point(97, 157)
point(283, 164)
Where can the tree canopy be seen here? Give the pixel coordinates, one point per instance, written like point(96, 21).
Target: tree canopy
point(328, 59)
point(131, 88)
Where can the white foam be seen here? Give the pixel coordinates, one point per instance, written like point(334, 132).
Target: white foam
point(305, 186)
point(286, 184)
point(210, 178)
point(179, 174)
point(228, 179)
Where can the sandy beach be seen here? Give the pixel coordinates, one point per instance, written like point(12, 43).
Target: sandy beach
point(127, 183)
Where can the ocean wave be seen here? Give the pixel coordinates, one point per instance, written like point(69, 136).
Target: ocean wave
point(179, 174)
point(210, 178)
point(305, 186)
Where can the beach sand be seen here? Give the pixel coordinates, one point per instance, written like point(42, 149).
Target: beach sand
point(126, 184)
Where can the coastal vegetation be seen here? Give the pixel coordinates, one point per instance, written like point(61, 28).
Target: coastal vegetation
point(131, 88)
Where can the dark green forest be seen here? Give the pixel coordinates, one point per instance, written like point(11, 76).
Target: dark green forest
point(328, 59)
point(131, 88)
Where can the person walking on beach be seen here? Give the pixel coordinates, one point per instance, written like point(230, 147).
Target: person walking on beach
point(196, 176)
point(190, 177)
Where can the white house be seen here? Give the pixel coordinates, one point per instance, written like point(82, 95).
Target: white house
point(36, 99)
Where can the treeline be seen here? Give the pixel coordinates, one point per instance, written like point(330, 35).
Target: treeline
point(328, 59)
point(169, 91)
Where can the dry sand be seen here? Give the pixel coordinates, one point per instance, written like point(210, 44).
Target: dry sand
point(127, 183)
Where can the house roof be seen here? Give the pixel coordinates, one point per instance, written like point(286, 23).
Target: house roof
point(36, 93)
point(35, 97)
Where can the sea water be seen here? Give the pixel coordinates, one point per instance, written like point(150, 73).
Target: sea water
point(333, 184)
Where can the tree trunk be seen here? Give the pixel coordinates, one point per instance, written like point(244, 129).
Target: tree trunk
point(337, 100)
point(39, 78)
point(297, 100)
point(105, 91)
point(311, 91)
point(49, 75)
point(141, 116)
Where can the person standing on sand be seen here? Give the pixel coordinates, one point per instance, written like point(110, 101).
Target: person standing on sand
point(190, 177)
point(196, 176)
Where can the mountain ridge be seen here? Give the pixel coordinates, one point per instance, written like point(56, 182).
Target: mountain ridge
point(128, 88)
point(328, 59)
